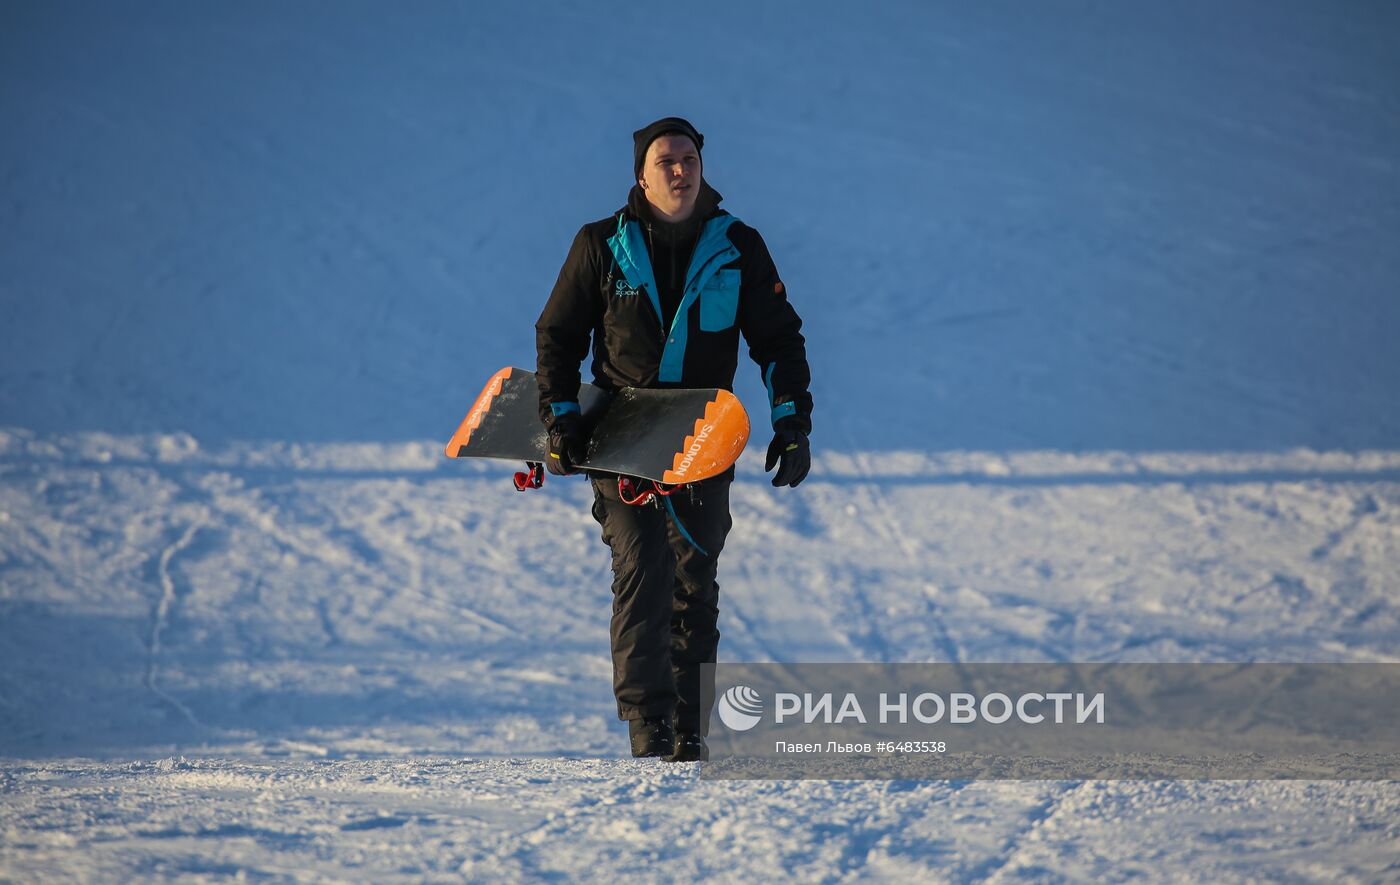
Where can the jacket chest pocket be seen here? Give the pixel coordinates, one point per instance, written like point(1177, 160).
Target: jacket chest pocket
point(719, 301)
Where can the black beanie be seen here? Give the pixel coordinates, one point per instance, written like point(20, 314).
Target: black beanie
point(642, 138)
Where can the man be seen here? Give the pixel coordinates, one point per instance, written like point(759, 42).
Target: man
point(664, 287)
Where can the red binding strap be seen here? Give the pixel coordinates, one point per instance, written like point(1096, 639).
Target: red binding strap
point(630, 494)
point(637, 494)
point(530, 478)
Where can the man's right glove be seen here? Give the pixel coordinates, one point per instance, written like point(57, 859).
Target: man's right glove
point(789, 446)
point(568, 444)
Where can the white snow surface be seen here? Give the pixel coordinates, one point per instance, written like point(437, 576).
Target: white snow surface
point(1101, 309)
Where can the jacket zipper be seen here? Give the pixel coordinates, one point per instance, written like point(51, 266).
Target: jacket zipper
point(651, 243)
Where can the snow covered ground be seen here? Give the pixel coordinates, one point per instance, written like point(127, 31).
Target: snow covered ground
point(1101, 302)
point(359, 662)
point(492, 819)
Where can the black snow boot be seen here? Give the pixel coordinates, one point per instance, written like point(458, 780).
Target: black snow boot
point(690, 747)
point(652, 736)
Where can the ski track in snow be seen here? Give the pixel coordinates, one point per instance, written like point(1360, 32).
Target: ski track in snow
point(160, 618)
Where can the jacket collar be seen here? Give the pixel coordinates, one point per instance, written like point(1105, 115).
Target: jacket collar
point(706, 207)
point(712, 250)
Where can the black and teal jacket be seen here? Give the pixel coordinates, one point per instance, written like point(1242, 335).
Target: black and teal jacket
point(684, 333)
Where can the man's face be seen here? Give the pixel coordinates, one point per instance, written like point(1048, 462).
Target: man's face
point(671, 176)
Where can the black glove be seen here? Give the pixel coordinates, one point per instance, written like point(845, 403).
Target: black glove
point(568, 444)
point(789, 446)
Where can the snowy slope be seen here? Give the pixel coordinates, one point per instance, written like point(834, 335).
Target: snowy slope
point(1100, 302)
point(1106, 227)
point(372, 677)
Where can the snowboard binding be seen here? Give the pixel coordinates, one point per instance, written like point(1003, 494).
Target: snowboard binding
point(636, 493)
point(532, 477)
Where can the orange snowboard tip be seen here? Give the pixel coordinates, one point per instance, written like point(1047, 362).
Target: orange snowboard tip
point(717, 441)
point(478, 412)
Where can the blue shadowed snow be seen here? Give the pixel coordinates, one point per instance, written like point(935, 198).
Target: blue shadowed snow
point(1008, 226)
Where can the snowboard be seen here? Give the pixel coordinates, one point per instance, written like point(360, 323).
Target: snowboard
point(666, 436)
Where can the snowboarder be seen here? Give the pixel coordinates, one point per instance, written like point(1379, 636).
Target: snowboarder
point(664, 287)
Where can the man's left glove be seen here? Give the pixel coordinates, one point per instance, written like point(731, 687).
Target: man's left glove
point(790, 450)
point(568, 444)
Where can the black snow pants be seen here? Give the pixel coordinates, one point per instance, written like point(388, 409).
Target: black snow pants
point(665, 598)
